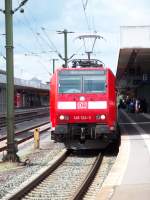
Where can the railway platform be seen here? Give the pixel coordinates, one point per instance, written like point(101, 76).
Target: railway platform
point(129, 178)
point(27, 93)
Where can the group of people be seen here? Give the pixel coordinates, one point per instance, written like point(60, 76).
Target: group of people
point(133, 105)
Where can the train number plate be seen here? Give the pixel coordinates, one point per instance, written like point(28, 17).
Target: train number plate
point(82, 105)
point(82, 117)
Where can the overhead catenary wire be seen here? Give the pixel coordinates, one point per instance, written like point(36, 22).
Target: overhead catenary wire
point(90, 27)
point(30, 52)
point(27, 24)
point(35, 36)
point(84, 6)
point(37, 40)
point(30, 13)
point(40, 44)
point(32, 17)
point(93, 24)
point(48, 38)
point(45, 41)
point(40, 62)
point(40, 38)
point(40, 58)
point(44, 66)
point(34, 33)
point(50, 41)
point(23, 47)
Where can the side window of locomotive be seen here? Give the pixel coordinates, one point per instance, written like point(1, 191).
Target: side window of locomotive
point(69, 84)
point(94, 84)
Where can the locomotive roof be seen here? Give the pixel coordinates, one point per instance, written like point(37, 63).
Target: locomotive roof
point(80, 71)
point(86, 63)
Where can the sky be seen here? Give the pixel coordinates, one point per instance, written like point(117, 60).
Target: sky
point(36, 41)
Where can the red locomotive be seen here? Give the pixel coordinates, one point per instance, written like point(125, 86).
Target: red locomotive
point(83, 106)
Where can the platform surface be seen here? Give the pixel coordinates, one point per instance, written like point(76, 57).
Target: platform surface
point(129, 178)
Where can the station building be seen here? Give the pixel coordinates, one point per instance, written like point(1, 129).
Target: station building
point(28, 94)
point(133, 70)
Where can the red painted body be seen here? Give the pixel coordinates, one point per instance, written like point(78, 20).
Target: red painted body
point(82, 108)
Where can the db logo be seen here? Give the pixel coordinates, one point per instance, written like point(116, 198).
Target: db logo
point(82, 105)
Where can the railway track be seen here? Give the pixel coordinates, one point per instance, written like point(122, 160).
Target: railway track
point(25, 115)
point(67, 178)
point(24, 135)
point(88, 180)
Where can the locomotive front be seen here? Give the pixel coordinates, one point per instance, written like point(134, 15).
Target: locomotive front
point(83, 107)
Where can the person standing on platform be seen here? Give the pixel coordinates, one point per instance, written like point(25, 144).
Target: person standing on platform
point(137, 105)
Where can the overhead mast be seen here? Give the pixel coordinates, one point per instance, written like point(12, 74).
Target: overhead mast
point(65, 32)
point(11, 143)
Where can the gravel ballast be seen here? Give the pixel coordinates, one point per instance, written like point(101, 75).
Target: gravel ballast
point(13, 174)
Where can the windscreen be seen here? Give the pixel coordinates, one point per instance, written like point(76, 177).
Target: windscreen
point(69, 84)
point(84, 81)
point(94, 84)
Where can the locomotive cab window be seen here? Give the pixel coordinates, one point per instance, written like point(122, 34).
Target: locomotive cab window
point(69, 84)
point(94, 84)
point(84, 81)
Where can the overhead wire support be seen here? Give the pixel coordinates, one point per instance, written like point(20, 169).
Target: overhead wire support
point(16, 9)
point(11, 145)
point(54, 59)
point(65, 32)
point(4, 57)
point(20, 5)
point(1, 10)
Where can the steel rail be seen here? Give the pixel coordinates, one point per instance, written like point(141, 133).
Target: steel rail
point(26, 138)
point(22, 117)
point(30, 185)
point(88, 180)
point(26, 111)
point(25, 130)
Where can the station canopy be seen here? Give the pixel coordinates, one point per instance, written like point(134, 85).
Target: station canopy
point(134, 57)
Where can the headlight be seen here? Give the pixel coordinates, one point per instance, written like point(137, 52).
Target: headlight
point(61, 117)
point(64, 117)
point(103, 117)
